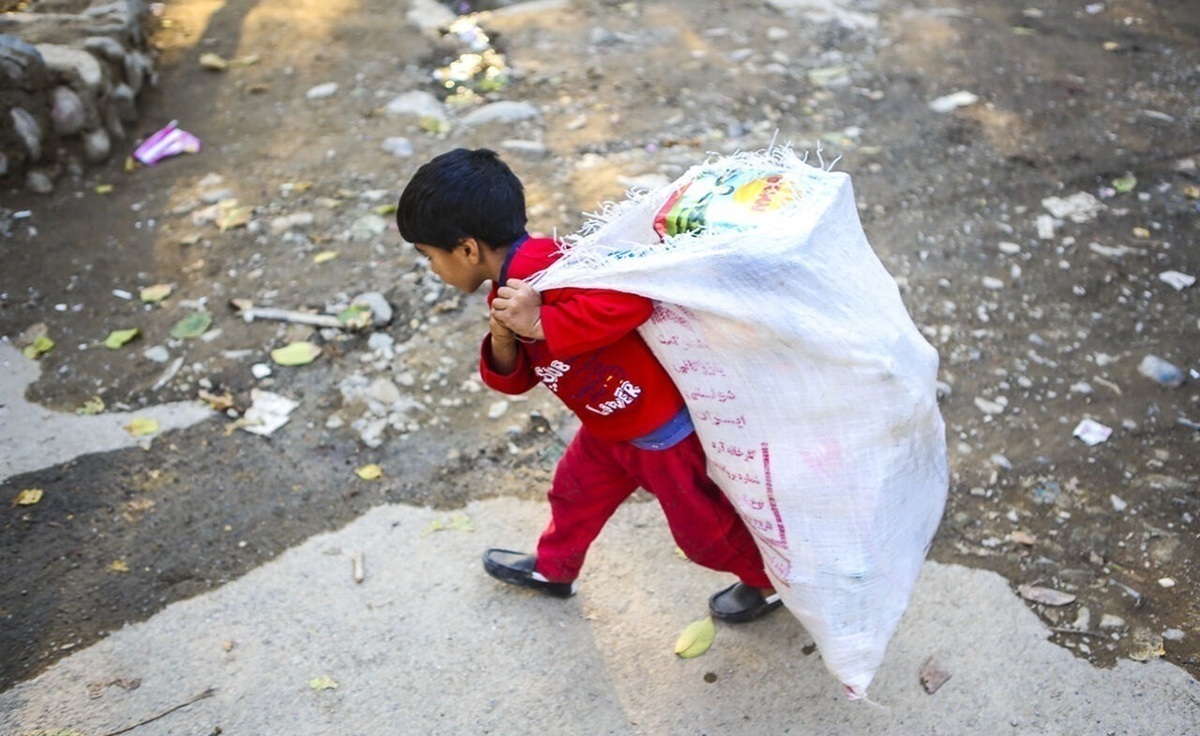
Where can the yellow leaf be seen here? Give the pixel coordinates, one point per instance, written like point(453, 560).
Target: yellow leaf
point(141, 426)
point(458, 522)
point(297, 353)
point(325, 256)
point(156, 293)
point(28, 497)
point(322, 683)
point(384, 210)
point(91, 407)
point(119, 566)
point(369, 472)
point(117, 338)
point(696, 638)
point(104, 188)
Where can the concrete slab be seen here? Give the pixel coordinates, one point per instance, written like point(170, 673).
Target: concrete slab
point(427, 643)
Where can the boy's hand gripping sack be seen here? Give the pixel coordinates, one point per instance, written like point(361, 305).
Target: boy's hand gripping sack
point(809, 386)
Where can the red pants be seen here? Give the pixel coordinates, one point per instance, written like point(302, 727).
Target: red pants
point(595, 476)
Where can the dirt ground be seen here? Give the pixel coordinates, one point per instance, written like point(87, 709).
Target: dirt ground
point(1041, 321)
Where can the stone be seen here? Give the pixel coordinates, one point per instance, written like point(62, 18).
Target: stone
point(21, 63)
point(398, 147)
point(75, 66)
point(505, 111)
point(381, 311)
point(429, 15)
point(321, 91)
point(368, 227)
point(123, 102)
point(416, 104)
point(97, 145)
point(39, 182)
point(67, 113)
point(28, 130)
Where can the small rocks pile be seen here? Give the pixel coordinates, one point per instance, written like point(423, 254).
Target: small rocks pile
point(70, 75)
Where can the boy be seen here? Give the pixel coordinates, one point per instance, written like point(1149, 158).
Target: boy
point(465, 211)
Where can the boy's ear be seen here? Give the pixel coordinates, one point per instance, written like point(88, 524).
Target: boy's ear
point(473, 248)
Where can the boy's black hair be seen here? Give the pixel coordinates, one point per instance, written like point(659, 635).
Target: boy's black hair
point(462, 194)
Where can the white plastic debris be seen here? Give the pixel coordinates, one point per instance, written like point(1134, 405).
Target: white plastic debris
point(951, 102)
point(1079, 207)
point(268, 412)
point(1092, 432)
point(322, 91)
point(1176, 279)
point(1162, 371)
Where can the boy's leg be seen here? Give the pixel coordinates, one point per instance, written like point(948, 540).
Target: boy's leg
point(703, 521)
point(588, 487)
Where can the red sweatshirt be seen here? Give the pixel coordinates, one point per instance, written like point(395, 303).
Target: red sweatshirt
point(592, 358)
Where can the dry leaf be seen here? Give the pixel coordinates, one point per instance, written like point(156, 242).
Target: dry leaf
point(325, 256)
point(213, 61)
point(1021, 537)
point(141, 426)
point(322, 683)
point(28, 497)
point(369, 472)
point(696, 638)
point(91, 407)
point(217, 402)
point(117, 338)
point(1045, 596)
point(460, 522)
point(118, 566)
point(297, 353)
point(933, 675)
point(156, 293)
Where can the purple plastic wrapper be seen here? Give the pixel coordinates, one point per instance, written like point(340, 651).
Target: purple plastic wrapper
point(170, 141)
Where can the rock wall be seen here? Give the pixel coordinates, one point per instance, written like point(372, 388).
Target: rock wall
point(70, 75)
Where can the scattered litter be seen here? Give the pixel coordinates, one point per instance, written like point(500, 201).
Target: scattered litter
point(1079, 207)
point(260, 370)
point(250, 313)
point(170, 141)
point(933, 675)
point(141, 426)
point(369, 472)
point(1045, 596)
point(696, 638)
point(267, 413)
point(1118, 503)
point(1179, 281)
point(28, 497)
point(193, 325)
point(951, 102)
point(296, 353)
point(168, 374)
point(1167, 582)
point(118, 338)
point(356, 561)
point(321, 91)
point(1092, 432)
point(1162, 371)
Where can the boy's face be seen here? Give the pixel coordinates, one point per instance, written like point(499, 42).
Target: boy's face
point(461, 267)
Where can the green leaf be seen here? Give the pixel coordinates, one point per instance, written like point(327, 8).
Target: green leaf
point(297, 353)
point(117, 338)
point(38, 348)
point(696, 638)
point(1125, 184)
point(384, 210)
point(355, 317)
point(193, 325)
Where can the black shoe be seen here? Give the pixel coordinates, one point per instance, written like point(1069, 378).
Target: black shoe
point(517, 568)
point(740, 603)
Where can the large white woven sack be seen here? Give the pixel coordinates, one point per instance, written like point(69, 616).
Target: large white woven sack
point(810, 387)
